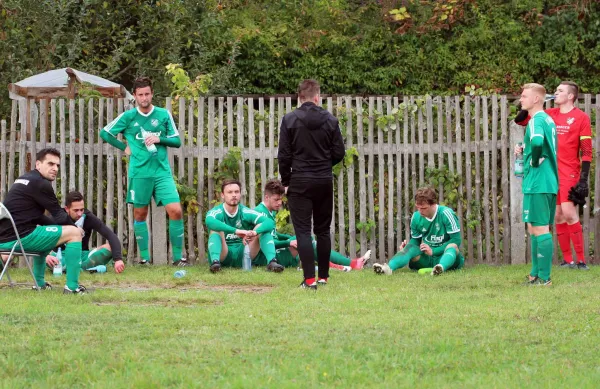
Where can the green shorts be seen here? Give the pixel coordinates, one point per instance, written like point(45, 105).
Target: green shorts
point(426, 261)
point(235, 255)
point(539, 208)
point(141, 191)
point(283, 255)
point(42, 240)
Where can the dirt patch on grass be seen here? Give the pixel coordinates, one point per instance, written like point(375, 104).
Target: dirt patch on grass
point(165, 303)
point(142, 287)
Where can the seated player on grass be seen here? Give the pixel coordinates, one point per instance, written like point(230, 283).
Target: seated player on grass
point(286, 245)
point(83, 218)
point(435, 239)
point(231, 225)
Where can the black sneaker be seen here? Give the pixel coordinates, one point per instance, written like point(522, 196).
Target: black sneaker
point(143, 262)
point(80, 290)
point(215, 267)
point(582, 266)
point(568, 265)
point(540, 282)
point(46, 286)
point(181, 263)
point(312, 286)
point(529, 281)
point(275, 267)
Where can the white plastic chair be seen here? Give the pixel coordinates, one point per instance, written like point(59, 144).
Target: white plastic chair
point(17, 250)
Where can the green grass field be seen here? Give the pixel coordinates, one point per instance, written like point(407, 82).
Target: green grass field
point(476, 328)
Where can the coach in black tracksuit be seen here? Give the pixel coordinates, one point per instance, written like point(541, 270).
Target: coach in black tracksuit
point(310, 144)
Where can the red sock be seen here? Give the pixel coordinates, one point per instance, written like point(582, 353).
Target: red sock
point(354, 263)
point(576, 233)
point(309, 281)
point(564, 241)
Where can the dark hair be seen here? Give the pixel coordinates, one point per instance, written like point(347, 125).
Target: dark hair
point(274, 187)
point(426, 195)
point(41, 155)
point(142, 82)
point(72, 197)
point(573, 88)
point(230, 181)
point(308, 89)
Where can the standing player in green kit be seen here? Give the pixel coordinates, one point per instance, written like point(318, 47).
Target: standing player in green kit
point(540, 182)
point(434, 239)
point(149, 130)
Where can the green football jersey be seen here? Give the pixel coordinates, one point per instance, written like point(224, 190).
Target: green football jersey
point(435, 231)
point(159, 122)
point(281, 240)
point(544, 178)
point(217, 219)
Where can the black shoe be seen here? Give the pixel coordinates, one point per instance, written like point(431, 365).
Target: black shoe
point(568, 265)
point(46, 286)
point(181, 263)
point(143, 262)
point(312, 286)
point(215, 267)
point(582, 266)
point(80, 290)
point(529, 281)
point(275, 267)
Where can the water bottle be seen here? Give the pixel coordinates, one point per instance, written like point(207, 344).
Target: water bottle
point(152, 148)
point(180, 273)
point(97, 269)
point(58, 269)
point(549, 97)
point(246, 261)
point(519, 162)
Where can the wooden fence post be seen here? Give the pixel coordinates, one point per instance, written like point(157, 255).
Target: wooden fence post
point(517, 227)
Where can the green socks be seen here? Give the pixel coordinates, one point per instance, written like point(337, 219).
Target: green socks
point(214, 248)
point(141, 237)
point(176, 237)
point(448, 258)
point(97, 257)
point(404, 256)
point(72, 255)
point(545, 249)
point(39, 267)
point(267, 246)
point(534, 256)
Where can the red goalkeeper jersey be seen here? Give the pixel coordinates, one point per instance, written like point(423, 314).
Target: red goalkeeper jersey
point(573, 134)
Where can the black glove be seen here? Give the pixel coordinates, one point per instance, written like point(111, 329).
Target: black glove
point(579, 192)
point(521, 114)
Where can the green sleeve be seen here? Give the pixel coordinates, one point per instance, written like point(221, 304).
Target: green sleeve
point(281, 243)
point(281, 236)
point(112, 140)
point(256, 218)
point(214, 224)
point(454, 238)
point(173, 141)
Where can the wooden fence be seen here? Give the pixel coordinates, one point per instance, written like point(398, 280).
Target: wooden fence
point(397, 143)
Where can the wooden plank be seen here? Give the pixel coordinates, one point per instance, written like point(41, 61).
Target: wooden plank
point(406, 175)
point(80, 144)
point(191, 251)
point(121, 186)
point(230, 128)
point(22, 143)
point(517, 227)
point(43, 123)
point(399, 209)
point(478, 236)
point(586, 209)
point(220, 125)
point(440, 139)
point(261, 142)
point(110, 170)
point(468, 178)
point(341, 222)
point(505, 182)
point(333, 225)
point(100, 168)
point(449, 133)
point(211, 147)
point(251, 155)
point(280, 114)
point(63, 151)
point(413, 155)
point(72, 154)
point(429, 118)
point(362, 185)
point(12, 148)
point(486, 181)
point(381, 185)
point(159, 242)
point(91, 167)
point(31, 133)
point(391, 247)
point(350, 174)
point(271, 145)
point(53, 131)
point(3, 184)
point(200, 185)
point(421, 130)
point(459, 167)
point(596, 211)
point(371, 185)
point(494, 170)
point(182, 135)
point(241, 144)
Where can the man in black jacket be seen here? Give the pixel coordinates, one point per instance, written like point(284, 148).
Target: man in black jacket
point(85, 219)
point(310, 144)
point(27, 199)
